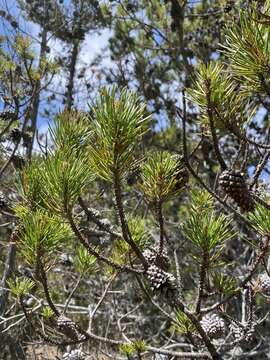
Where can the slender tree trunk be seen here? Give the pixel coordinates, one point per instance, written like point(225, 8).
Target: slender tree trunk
point(36, 100)
point(72, 69)
point(9, 269)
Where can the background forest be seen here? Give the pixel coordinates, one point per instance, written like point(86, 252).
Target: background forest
point(134, 165)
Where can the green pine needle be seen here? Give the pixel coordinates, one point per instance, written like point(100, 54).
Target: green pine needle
point(118, 123)
point(260, 220)
point(247, 47)
point(41, 235)
point(163, 176)
point(71, 130)
point(20, 286)
point(206, 230)
point(64, 178)
point(84, 262)
point(227, 103)
point(184, 325)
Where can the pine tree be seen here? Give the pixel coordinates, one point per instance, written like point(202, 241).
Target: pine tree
point(70, 24)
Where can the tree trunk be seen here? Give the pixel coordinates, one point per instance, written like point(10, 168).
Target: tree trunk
point(72, 69)
point(36, 100)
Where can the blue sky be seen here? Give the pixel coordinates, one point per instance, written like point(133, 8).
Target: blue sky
point(91, 47)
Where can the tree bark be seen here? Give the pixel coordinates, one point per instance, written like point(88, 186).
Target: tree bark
point(36, 101)
point(72, 69)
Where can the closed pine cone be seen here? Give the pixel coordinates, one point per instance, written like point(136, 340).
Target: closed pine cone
point(69, 328)
point(233, 183)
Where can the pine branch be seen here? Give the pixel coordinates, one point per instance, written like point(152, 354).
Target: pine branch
point(212, 126)
point(97, 221)
point(203, 270)
point(43, 279)
point(124, 225)
point(193, 173)
point(161, 227)
point(94, 252)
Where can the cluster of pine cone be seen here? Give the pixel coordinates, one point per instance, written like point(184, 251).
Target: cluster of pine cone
point(156, 272)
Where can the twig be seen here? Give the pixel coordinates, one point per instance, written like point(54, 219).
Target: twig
point(72, 293)
point(101, 300)
point(161, 227)
point(259, 169)
point(44, 282)
point(96, 220)
point(212, 126)
point(203, 268)
point(125, 229)
point(94, 252)
point(9, 268)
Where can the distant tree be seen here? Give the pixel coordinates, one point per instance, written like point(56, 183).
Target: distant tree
point(69, 23)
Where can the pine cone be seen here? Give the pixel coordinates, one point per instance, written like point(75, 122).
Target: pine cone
point(242, 334)
point(213, 325)
point(75, 354)
point(238, 332)
point(160, 279)
point(265, 283)
point(69, 328)
point(153, 257)
point(8, 115)
point(233, 183)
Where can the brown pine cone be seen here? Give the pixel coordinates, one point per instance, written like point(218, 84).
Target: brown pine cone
point(233, 183)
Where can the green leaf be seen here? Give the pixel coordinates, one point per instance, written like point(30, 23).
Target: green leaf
point(223, 284)
point(138, 229)
point(184, 325)
point(126, 349)
point(47, 312)
point(30, 183)
point(132, 347)
point(229, 105)
point(65, 176)
point(71, 131)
